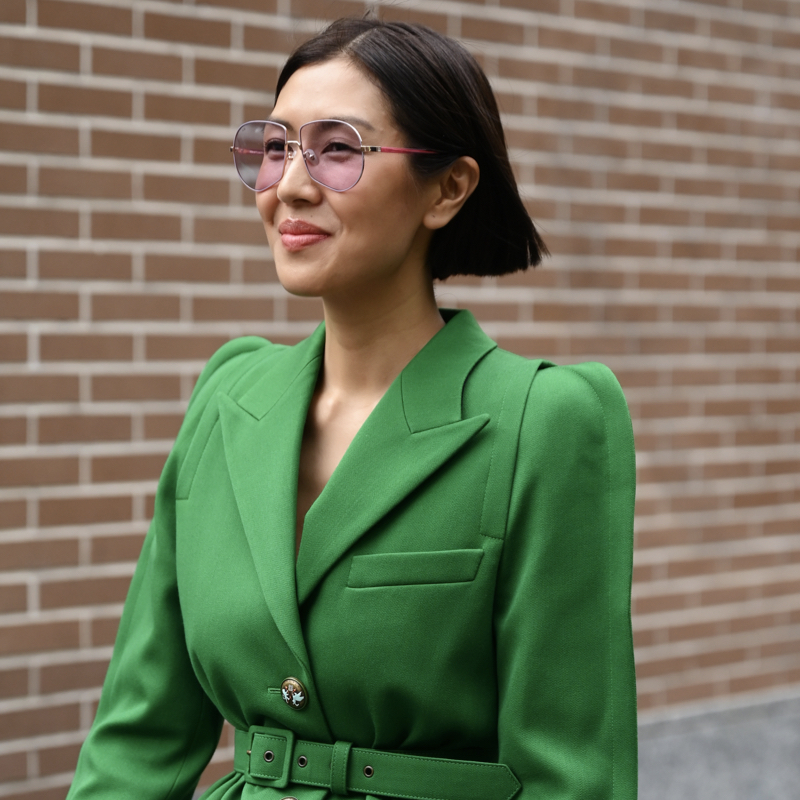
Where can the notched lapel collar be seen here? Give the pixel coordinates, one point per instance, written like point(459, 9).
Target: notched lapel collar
point(414, 430)
point(262, 433)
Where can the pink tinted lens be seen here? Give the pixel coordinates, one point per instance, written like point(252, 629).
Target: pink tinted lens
point(259, 153)
point(332, 151)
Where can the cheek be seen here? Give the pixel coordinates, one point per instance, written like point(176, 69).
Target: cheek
point(266, 203)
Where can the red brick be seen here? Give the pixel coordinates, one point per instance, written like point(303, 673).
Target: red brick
point(13, 683)
point(83, 100)
point(566, 40)
point(729, 30)
point(731, 158)
point(135, 387)
point(731, 94)
point(704, 59)
point(13, 347)
point(124, 225)
point(55, 760)
point(104, 631)
point(602, 12)
point(13, 598)
point(525, 69)
point(187, 109)
point(42, 471)
point(38, 305)
point(113, 549)
point(57, 182)
point(84, 266)
point(185, 268)
point(83, 16)
point(36, 54)
point(83, 592)
point(38, 637)
point(35, 721)
point(214, 151)
point(115, 144)
point(677, 23)
point(230, 230)
point(84, 510)
point(233, 308)
point(176, 189)
point(135, 306)
point(621, 181)
point(189, 29)
point(162, 426)
point(239, 76)
point(638, 50)
point(638, 117)
point(13, 179)
point(56, 793)
point(697, 250)
point(563, 176)
point(492, 30)
point(30, 554)
point(13, 430)
point(179, 348)
point(398, 13)
point(630, 247)
point(38, 388)
point(272, 40)
point(110, 469)
point(325, 9)
point(32, 222)
point(12, 264)
point(13, 11)
point(130, 64)
point(85, 347)
point(83, 428)
point(565, 109)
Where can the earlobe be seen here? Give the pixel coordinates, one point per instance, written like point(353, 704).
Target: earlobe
point(454, 186)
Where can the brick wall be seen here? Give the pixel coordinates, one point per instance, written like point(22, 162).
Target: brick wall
point(659, 147)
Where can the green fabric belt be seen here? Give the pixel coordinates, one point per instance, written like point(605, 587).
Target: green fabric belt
point(273, 757)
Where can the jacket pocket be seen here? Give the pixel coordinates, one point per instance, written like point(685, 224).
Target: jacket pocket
point(410, 569)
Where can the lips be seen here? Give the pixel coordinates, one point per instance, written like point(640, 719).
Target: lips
point(297, 234)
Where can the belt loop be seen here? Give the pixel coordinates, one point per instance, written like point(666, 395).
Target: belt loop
point(339, 759)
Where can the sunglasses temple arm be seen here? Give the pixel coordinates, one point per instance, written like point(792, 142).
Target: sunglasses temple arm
point(375, 149)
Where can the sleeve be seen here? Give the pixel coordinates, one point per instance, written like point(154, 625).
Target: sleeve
point(566, 681)
point(155, 728)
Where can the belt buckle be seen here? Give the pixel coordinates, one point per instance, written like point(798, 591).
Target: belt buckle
point(270, 756)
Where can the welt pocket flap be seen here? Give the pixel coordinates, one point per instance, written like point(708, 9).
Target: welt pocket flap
point(409, 569)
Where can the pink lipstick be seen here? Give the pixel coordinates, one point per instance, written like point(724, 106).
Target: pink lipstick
point(297, 234)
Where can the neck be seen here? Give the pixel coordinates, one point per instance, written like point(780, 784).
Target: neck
point(367, 346)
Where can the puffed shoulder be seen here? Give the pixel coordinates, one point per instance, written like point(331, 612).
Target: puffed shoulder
point(588, 392)
point(576, 410)
point(227, 364)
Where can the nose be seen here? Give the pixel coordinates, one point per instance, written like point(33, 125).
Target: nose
point(295, 181)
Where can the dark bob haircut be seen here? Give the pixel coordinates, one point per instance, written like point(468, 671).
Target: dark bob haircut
point(441, 100)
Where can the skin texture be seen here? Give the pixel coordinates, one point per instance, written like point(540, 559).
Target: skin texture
point(369, 269)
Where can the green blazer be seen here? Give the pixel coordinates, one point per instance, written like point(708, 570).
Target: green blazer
point(462, 588)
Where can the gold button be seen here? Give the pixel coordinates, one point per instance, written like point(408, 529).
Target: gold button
point(294, 693)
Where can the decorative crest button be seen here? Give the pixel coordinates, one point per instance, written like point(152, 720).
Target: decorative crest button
point(294, 693)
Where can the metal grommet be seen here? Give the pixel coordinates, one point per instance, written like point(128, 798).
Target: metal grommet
point(269, 756)
point(368, 771)
point(302, 761)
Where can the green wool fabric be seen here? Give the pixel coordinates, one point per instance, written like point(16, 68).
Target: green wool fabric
point(462, 589)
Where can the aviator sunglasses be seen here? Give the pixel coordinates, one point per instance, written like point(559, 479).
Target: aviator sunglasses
point(332, 151)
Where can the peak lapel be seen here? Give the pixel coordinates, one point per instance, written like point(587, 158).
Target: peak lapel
point(416, 427)
point(262, 432)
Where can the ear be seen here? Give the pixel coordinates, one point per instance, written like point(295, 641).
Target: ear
point(453, 188)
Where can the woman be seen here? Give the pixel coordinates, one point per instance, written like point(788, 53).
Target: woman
point(396, 558)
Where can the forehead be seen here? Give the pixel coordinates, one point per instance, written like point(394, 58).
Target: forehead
point(332, 90)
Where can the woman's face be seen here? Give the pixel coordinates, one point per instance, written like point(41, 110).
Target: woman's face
point(371, 238)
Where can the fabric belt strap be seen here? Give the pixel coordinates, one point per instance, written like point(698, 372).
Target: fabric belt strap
point(275, 757)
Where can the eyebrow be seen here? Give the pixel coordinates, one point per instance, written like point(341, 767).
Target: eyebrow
point(356, 122)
